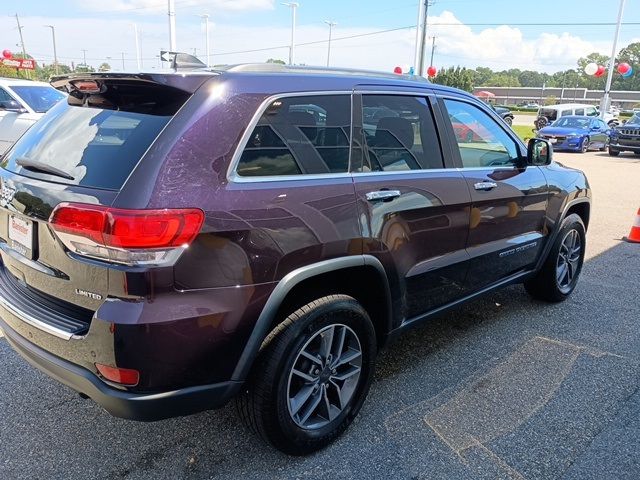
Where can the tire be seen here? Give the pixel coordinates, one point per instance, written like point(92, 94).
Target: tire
point(549, 284)
point(613, 153)
point(508, 120)
point(605, 146)
point(584, 146)
point(266, 405)
point(541, 122)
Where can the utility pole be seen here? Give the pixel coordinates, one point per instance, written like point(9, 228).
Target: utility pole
point(606, 98)
point(84, 57)
point(292, 53)
point(122, 54)
point(172, 25)
point(421, 37)
point(55, 52)
point(433, 49)
point(138, 59)
point(331, 25)
point(24, 50)
point(205, 17)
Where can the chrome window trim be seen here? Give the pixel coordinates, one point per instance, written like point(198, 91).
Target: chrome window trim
point(233, 177)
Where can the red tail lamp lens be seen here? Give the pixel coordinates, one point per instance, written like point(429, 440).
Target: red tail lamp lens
point(133, 229)
point(123, 376)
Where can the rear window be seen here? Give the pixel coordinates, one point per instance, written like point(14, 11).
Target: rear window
point(91, 146)
point(39, 98)
point(550, 113)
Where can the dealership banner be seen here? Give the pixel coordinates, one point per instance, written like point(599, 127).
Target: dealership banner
point(24, 63)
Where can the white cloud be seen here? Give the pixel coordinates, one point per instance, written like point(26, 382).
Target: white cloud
point(456, 44)
point(146, 7)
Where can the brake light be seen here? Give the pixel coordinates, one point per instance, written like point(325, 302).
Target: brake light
point(123, 376)
point(126, 236)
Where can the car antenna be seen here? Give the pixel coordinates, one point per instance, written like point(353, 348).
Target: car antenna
point(184, 61)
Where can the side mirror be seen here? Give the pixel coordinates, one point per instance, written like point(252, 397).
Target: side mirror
point(595, 128)
point(539, 152)
point(12, 106)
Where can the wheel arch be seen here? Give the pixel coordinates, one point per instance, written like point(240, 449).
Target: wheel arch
point(360, 276)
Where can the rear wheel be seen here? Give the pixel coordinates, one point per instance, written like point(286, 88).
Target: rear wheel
point(613, 153)
point(312, 376)
point(605, 146)
point(559, 274)
point(584, 146)
point(508, 121)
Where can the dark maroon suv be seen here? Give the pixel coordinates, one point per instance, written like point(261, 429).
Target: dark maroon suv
point(171, 241)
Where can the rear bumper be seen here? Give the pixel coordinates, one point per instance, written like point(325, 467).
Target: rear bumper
point(133, 406)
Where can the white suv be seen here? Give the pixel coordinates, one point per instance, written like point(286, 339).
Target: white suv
point(22, 103)
point(550, 113)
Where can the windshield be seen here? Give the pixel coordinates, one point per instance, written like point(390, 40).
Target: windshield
point(39, 98)
point(572, 122)
point(635, 118)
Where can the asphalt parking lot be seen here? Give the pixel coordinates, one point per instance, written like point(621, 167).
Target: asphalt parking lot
point(507, 387)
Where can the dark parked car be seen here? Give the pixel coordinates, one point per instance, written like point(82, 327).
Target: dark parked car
point(626, 138)
point(577, 133)
point(504, 112)
point(172, 241)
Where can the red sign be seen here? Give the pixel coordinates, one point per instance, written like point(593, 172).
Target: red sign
point(24, 63)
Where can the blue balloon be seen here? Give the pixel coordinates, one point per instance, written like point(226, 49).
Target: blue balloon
point(628, 74)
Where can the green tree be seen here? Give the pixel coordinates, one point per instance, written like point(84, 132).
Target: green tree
point(482, 76)
point(45, 72)
point(457, 77)
point(104, 67)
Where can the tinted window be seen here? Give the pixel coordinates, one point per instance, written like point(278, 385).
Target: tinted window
point(579, 111)
point(297, 135)
point(399, 134)
point(4, 96)
point(481, 140)
point(565, 113)
point(40, 99)
point(591, 111)
point(98, 148)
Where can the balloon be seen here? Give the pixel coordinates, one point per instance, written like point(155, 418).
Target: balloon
point(628, 74)
point(591, 68)
point(397, 70)
point(623, 68)
point(7, 54)
point(600, 71)
point(432, 71)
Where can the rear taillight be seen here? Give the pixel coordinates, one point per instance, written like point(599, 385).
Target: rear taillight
point(131, 237)
point(123, 376)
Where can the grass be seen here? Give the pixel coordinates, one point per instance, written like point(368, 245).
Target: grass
point(523, 131)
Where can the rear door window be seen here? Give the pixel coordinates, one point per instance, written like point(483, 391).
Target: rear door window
point(400, 134)
point(299, 135)
point(39, 98)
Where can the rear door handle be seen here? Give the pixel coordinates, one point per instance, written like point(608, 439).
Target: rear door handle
point(485, 185)
point(382, 195)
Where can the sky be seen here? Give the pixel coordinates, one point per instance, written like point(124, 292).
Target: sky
point(471, 33)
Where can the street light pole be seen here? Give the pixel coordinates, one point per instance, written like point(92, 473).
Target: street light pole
point(606, 100)
point(138, 59)
point(205, 17)
point(55, 52)
point(433, 49)
point(172, 25)
point(24, 50)
point(84, 57)
point(122, 54)
point(421, 37)
point(331, 25)
point(292, 53)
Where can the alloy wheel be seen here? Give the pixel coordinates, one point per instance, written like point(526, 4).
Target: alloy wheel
point(324, 377)
point(568, 262)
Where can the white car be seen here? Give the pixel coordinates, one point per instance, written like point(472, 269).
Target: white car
point(550, 113)
point(22, 103)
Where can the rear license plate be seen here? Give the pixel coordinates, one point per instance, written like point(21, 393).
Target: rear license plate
point(21, 235)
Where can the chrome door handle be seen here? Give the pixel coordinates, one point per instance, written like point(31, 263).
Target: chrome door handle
point(485, 185)
point(382, 195)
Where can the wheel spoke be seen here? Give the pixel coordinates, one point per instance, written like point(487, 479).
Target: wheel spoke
point(342, 333)
point(346, 374)
point(347, 357)
point(562, 272)
point(327, 403)
point(303, 375)
point(339, 392)
point(313, 405)
point(326, 341)
point(309, 356)
point(297, 402)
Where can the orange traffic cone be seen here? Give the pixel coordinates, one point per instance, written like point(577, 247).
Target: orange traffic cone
point(634, 235)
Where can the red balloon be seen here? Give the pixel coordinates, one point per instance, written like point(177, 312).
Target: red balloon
point(7, 54)
point(600, 71)
point(431, 71)
point(397, 70)
point(623, 68)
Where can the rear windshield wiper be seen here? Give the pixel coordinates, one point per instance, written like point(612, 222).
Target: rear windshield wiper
point(37, 166)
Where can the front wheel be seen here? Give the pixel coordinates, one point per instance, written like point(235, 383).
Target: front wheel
point(604, 147)
point(584, 146)
point(508, 121)
point(613, 153)
point(312, 376)
point(559, 274)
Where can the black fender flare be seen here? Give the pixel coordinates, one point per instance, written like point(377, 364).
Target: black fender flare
point(284, 286)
